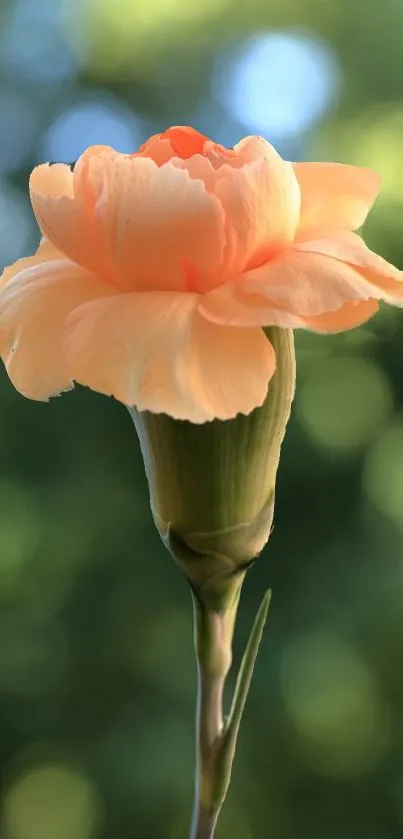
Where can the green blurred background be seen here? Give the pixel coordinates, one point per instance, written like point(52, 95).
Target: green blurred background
point(97, 679)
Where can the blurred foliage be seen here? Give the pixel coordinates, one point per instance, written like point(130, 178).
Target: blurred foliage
point(97, 679)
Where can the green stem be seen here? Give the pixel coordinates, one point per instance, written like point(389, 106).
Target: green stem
point(209, 726)
point(213, 633)
point(204, 824)
point(216, 741)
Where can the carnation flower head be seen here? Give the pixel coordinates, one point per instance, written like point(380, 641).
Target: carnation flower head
point(158, 272)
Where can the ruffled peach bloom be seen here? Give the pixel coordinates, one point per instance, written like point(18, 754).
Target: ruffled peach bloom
point(157, 271)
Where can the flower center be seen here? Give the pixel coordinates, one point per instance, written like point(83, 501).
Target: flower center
point(185, 142)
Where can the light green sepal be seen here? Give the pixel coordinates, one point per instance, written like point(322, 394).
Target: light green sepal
point(215, 563)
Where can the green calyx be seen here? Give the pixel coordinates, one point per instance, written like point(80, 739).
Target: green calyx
point(212, 486)
point(216, 562)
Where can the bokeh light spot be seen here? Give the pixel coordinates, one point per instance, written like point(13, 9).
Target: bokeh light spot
point(33, 46)
point(373, 138)
point(96, 121)
point(20, 530)
point(343, 402)
point(114, 36)
point(278, 83)
point(342, 727)
point(51, 802)
point(383, 473)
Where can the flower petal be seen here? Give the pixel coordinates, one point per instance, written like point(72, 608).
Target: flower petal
point(347, 317)
point(335, 194)
point(294, 286)
point(350, 248)
point(155, 351)
point(237, 309)
point(137, 225)
point(230, 305)
point(260, 197)
point(63, 218)
point(46, 250)
point(35, 297)
point(309, 283)
point(160, 229)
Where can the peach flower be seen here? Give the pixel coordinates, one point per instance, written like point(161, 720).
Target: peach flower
point(158, 270)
